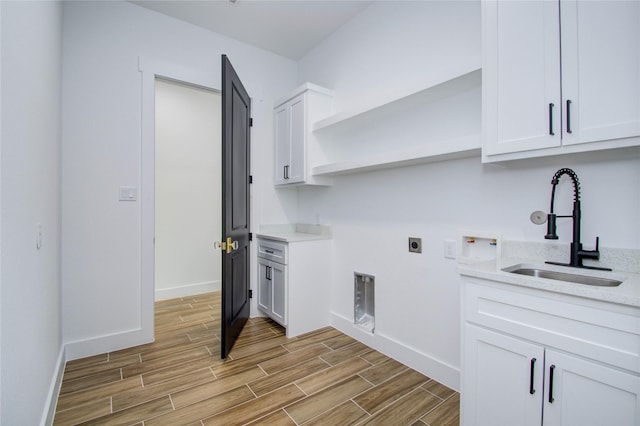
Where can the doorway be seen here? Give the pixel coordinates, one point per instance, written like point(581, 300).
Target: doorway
point(188, 199)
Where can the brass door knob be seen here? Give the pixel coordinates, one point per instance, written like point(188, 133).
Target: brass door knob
point(227, 246)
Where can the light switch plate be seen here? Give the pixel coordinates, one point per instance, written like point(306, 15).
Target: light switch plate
point(449, 249)
point(128, 193)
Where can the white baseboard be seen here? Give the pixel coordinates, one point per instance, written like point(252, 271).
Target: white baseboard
point(108, 343)
point(186, 290)
point(438, 370)
point(135, 337)
point(49, 411)
point(82, 349)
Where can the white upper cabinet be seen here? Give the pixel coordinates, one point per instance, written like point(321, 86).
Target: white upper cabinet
point(600, 70)
point(559, 77)
point(521, 76)
point(283, 142)
point(296, 148)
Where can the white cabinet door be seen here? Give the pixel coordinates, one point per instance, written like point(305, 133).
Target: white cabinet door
point(297, 167)
point(279, 293)
point(272, 289)
point(586, 393)
point(521, 76)
point(502, 379)
point(290, 141)
point(283, 143)
point(264, 285)
point(297, 149)
point(600, 70)
point(560, 74)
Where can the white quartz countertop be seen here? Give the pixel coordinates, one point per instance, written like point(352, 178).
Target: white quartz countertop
point(292, 237)
point(627, 293)
point(295, 233)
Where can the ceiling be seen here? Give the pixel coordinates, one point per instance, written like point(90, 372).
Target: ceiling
point(287, 27)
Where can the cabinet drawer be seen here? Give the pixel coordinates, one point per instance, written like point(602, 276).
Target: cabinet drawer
point(600, 334)
point(273, 250)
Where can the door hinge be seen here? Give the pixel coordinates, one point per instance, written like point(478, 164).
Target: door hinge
point(250, 178)
point(250, 294)
point(250, 236)
point(251, 122)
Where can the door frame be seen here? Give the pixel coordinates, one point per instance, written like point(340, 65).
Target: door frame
point(151, 69)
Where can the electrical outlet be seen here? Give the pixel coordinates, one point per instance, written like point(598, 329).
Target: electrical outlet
point(415, 245)
point(449, 249)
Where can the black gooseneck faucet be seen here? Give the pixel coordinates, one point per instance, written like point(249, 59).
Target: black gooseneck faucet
point(577, 253)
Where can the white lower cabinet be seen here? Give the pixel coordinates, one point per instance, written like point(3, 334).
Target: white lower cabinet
point(510, 381)
point(497, 379)
point(581, 392)
point(271, 289)
point(293, 283)
point(531, 359)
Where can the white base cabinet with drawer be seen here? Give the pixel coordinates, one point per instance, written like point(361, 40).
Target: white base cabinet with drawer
point(294, 283)
point(531, 359)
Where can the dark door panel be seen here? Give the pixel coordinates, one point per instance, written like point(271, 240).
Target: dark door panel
point(236, 113)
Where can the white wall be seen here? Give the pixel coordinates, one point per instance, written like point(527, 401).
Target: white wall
point(394, 45)
point(31, 318)
point(101, 150)
point(188, 190)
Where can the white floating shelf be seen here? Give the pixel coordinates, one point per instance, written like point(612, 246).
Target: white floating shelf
point(463, 79)
point(441, 151)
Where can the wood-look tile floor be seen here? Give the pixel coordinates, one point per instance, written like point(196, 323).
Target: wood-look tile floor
point(320, 378)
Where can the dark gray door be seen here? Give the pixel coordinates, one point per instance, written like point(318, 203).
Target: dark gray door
point(236, 117)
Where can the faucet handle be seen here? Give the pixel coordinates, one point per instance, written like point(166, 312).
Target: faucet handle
point(591, 254)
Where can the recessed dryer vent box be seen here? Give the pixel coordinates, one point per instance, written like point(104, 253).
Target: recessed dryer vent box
point(364, 301)
point(479, 247)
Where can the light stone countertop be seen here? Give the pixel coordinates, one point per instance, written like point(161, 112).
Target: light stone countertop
point(292, 233)
point(627, 293)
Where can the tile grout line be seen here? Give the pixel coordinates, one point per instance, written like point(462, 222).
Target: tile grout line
point(251, 390)
point(213, 372)
point(286, 349)
point(362, 408)
point(289, 415)
point(296, 385)
point(390, 403)
point(262, 369)
point(405, 396)
point(359, 374)
point(442, 401)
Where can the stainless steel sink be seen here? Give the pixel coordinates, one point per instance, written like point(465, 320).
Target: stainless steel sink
point(535, 271)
